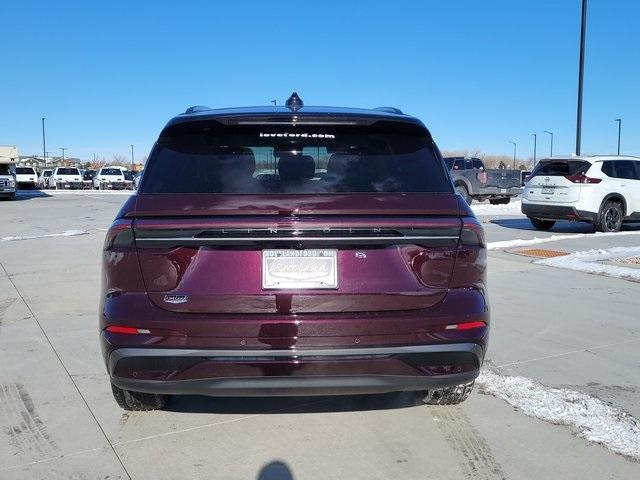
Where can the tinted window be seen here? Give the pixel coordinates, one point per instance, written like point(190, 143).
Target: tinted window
point(478, 164)
point(458, 164)
point(607, 169)
point(561, 168)
point(67, 171)
point(449, 163)
point(24, 171)
point(205, 157)
point(128, 175)
point(4, 169)
point(625, 169)
point(110, 171)
point(88, 175)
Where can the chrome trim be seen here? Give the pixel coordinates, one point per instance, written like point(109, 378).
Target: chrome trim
point(293, 239)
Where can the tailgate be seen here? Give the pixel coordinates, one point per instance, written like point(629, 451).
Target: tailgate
point(208, 254)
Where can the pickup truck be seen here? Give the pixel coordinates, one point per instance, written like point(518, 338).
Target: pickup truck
point(474, 182)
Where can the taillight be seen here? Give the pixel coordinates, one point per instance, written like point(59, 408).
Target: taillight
point(122, 330)
point(482, 177)
point(582, 178)
point(465, 326)
point(472, 233)
point(119, 235)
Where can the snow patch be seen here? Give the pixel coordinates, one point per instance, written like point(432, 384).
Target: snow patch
point(66, 233)
point(588, 262)
point(520, 242)
point(512, 208)
point(594, 419)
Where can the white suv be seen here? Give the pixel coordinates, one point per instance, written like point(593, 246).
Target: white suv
point(603, 190)
point(109, 178)
point(65, 177)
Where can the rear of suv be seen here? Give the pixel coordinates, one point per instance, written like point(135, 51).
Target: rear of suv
point(293, 251)
point(601, 190)
point(65, 178)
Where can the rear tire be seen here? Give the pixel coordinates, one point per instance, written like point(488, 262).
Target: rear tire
point(449, 395)
point(464, 193)
point(610, 217)
point(541, 224)
point(499, 201)
point(138, 401)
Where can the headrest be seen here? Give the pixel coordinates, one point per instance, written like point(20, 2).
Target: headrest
point(294, 168)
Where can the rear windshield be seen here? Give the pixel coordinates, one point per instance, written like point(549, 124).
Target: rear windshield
point(207, 157)
point(561, 168)
point(111, 171)
point(67, 171)
point(4, 169)
point(24, 171)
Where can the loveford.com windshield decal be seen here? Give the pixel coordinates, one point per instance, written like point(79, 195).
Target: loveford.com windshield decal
point(297, 135)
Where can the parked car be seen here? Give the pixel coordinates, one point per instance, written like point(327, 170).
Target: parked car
point(65, 178)
point(7, 180)
point(43, 180)
point(351, 266)
point(87, 179)
point(603, 190)
point(474, 182)
point(26, 178)
point(136, 180)
point(128, 179)
point(109, 178)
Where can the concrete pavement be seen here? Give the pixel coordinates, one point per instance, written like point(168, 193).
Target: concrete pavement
point(58, 419)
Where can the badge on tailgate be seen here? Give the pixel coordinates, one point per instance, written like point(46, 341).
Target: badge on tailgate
point(296, 269)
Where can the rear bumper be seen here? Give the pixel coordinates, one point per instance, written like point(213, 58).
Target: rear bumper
point(500, 192)
point(557, 212)
point(338, 371)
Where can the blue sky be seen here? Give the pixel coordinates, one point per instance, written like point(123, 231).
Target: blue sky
point(478, 73)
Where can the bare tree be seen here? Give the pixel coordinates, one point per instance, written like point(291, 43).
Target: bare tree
point(118, 159)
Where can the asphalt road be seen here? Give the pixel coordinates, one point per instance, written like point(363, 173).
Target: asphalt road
point(58, 420)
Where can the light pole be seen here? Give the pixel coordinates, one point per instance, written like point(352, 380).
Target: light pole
point(619, 120)
point(63, 149)
point(583, 31)
point(535, 146)
point(514, 153)
point(44, 144)
point(132, 162)
point(551, 148)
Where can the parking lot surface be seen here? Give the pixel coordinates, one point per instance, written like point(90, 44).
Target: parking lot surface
point(560, 328)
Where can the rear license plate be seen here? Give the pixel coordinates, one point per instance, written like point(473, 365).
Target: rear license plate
point(503, 190)
point(299, 269)
point(547, 191)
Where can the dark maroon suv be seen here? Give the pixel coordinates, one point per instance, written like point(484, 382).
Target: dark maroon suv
point(293, 250)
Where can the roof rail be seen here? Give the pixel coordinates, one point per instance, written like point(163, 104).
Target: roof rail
point(395, 110)
point(196, 109)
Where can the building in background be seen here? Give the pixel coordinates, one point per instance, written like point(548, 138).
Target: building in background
point(37, 162)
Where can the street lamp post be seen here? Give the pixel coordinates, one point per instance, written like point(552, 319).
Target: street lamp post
point(583, 32)
point(514, 153)
point(535, 146)
point(619, 120)
point(132, 161)
point(44, 144)
point(551, 148)
point(63, 149)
